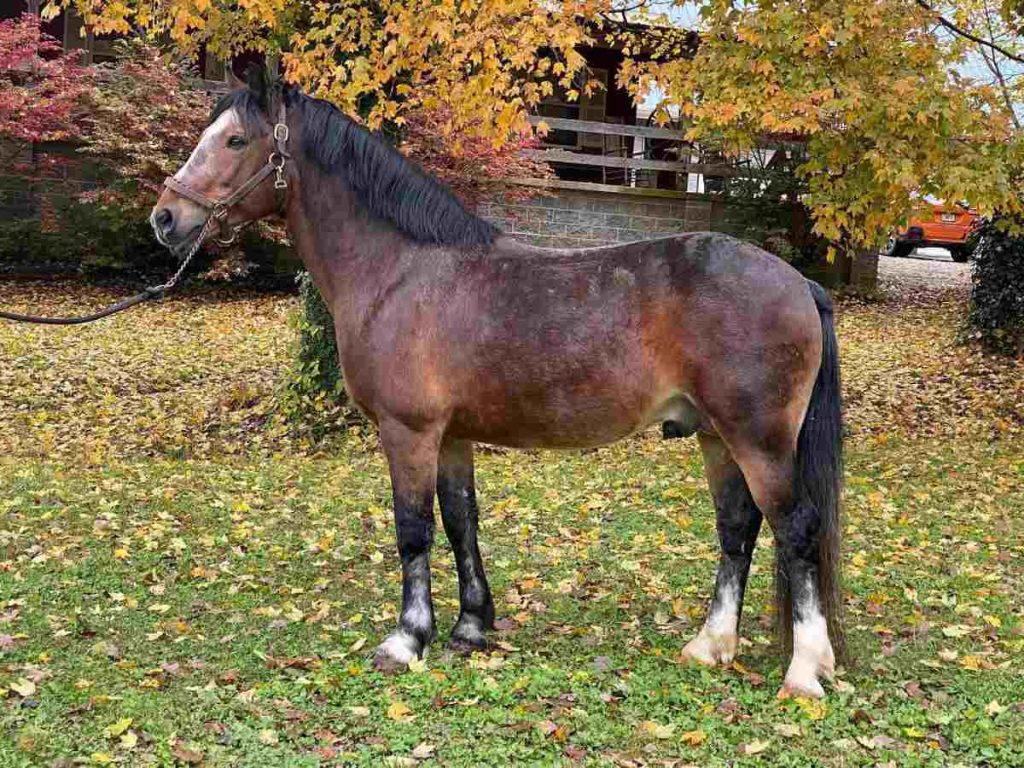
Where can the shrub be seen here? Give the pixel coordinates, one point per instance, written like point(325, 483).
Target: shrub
point(996, 315)
point(313, 398)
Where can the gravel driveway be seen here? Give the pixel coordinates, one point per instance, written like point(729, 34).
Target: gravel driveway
point(926, 267)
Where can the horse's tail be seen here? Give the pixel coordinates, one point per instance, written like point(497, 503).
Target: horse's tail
point(819, 466)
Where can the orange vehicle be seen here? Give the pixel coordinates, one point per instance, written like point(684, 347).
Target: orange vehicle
point(949, 227)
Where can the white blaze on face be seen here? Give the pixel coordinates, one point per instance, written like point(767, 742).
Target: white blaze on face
point(214, 138)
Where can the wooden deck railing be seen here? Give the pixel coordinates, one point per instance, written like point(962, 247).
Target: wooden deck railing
point(568, 156)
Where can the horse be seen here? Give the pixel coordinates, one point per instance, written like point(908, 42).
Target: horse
point(450, 333)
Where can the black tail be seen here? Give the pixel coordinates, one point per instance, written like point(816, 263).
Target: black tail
point(820, 477)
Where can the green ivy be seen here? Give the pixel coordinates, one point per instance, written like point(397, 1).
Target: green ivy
point(313, 398)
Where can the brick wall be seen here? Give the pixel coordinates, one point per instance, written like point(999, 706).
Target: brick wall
point(37, 172)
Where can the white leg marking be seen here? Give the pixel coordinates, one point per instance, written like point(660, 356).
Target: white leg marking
point(717, 640)
point(417, 616)
point(812, 654)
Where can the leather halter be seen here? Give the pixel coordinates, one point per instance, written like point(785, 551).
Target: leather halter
point(219, 209)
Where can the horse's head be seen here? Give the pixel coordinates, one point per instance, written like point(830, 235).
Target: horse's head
point(236, 173)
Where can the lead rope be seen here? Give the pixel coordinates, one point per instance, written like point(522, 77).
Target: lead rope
point(148, 294)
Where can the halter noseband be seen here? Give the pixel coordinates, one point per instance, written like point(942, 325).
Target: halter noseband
point(219, 209)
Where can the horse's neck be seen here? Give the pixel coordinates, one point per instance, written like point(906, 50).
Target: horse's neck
point(336, 240)
point(349, 254)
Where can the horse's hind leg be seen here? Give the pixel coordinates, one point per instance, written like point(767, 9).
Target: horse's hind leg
point(738, 523)
point(798, 527)
point(412, 460)
point(457, 495)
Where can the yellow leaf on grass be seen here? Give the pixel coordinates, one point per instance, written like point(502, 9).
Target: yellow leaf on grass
point(815, 709)
point(118, 727)
point(398, 710)
point(694, 738)
point(23, 687)
point(657, 730)
point(268, 737)
point(129, 740)
point(754, 747)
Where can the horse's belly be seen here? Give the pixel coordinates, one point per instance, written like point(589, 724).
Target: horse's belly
point(551, 422)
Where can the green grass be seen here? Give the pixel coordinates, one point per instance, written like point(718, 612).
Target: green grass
point(182, 582)
point(229, 607)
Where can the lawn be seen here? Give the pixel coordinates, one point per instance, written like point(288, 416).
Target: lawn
point(183, 582)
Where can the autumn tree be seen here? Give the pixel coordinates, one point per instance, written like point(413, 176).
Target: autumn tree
point(877, 88)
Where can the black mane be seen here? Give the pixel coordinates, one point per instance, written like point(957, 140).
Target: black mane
point(390, 186)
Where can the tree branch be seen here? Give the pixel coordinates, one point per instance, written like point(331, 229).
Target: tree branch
point(965, 34)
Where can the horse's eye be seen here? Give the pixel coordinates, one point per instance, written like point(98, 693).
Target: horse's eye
point(237, 142)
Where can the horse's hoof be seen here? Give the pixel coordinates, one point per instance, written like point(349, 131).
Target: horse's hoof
point(810, 689)
point(711, 650)
point(467, 638)
point(395, 653)
point(462, 647)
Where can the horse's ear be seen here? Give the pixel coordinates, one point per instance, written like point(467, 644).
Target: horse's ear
point(235, 83)
point(259, 84)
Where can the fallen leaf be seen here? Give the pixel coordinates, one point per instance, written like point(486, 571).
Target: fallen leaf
point(423, 750)
point(268, 736)
point(789, 730)
point(657, 730)
point(23, 687)
point(694, 738)
point(118, 727)
point(398, 710)
point(754, 747)
point(186, 755)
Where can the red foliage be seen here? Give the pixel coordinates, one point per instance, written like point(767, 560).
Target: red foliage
point(145, 116)
point(42, 90)
point(473, 167)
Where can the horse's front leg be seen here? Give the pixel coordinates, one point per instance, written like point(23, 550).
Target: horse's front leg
point(457, 493)
point(412, 459)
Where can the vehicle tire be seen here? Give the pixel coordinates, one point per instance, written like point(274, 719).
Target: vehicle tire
point(960, 254)
point(897, 249)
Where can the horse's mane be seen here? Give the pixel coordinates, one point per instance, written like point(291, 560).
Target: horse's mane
point(390, 186)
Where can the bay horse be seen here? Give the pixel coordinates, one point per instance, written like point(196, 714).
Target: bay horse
point(450, 333)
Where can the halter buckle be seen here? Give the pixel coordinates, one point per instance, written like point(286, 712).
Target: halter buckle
point(280, 132)
point(277, 160)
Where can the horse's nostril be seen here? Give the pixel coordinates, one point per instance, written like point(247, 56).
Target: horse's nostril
point(165, 220)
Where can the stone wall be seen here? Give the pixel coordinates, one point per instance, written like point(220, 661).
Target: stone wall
point(582, 217)
point(576, 215)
